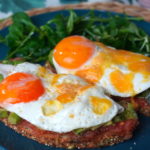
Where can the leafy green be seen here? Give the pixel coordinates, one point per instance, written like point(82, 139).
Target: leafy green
point(145, 95)
point(34, 43)
point(50, 58)
point(1, 77)
point(3, 113)
point(12, 62)
point(128, 113)
point(13, 118)
point(81, 130)
point(71, 22)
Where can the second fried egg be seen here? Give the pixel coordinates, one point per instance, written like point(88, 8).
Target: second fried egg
point(119, 72)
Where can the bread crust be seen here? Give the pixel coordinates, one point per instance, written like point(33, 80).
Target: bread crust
point(102, 136)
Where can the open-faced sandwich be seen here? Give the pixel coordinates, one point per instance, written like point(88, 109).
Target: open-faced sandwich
point(90, 102)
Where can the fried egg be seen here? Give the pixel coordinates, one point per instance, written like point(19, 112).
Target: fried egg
point(119, 72)
point(54, 102)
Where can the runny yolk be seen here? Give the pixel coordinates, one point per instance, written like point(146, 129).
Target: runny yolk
point(51, 107)
point(142, 67)
point(65, 98)
point(20, 87)
point(122, 82)
point(91, 75)
point(56, 78)
point(72, 52)
point(67, 92)
point(100, 105)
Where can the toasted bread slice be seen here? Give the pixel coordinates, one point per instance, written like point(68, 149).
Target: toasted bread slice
point(102, 136)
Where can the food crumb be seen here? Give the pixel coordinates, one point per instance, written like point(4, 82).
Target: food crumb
point(131, 148)
point(71, 115)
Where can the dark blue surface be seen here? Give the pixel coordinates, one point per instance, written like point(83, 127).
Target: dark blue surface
point(9, 140)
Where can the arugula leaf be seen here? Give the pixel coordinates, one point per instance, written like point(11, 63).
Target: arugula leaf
point(50, 58)
point(1, 77)
point(13, 62)
point(24, 19)
point(70, 22)
point(145, 94)
point(128, 113)
point(34, 43)
point(3, 113)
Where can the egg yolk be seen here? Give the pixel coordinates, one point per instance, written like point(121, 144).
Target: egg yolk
point(72, 52)
point(122, 82)
point(91, 74)
point(65, 98)
point(67, 92)
point(100, 105)
point(51, 107)
point(20, 87)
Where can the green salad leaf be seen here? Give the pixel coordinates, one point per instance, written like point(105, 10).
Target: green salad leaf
point(3, 113)
point(12, 62)
point(128, 113)
point(145, 95)
point(1, 77)
point(34, 43)
point(13, 118)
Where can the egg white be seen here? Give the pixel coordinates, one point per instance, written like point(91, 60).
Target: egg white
point(6, 69)
point(84, 117)
point(138, 84)
point(61, 69)
point(105, 82)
